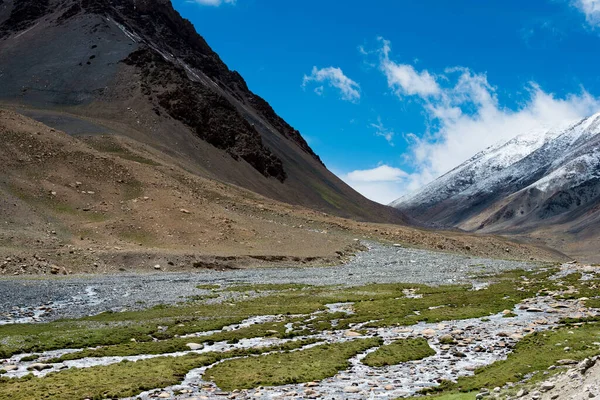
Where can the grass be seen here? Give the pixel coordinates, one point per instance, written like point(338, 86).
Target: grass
point(534, 353)
point(156, 331)
point(313, 364)
point(398, 352)
point(378, 304)
point(264, 287)
point(178, 344)
point(125, 379)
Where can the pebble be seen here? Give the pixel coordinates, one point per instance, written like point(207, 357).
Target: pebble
point(194, 346)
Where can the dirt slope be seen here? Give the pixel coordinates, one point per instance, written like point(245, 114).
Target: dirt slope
point(140, 70)
point(100, 203)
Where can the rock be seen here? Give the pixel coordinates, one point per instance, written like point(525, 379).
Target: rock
point(447, 339)
point(582, 366)
point(536, 395)
point(9, 368)
point(157, 267)
point(39, 367)
point(507, 312)
point(389, 387)
point(351, 334)
point(522, 392)
point(164, 395)
point(534, 310)
point(194, 346)
point(546, 386)
point(397, 245)
point(183, 210)
point(351, 389)
point(566, 362)
point(54, 269)
point(428, 332)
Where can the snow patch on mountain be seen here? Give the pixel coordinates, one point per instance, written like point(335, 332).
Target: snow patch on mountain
point(560, 155)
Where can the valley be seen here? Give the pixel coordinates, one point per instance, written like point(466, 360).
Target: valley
point(265, 333)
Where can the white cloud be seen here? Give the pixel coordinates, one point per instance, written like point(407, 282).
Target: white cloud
point(464, 117)
point(381, 130)
point(591, 9)
point(214, 3)
point(334, 77)
point(381, 184)
point(383, 173)
point(404, 79)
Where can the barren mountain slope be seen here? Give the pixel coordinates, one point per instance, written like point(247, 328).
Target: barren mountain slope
point(140, 70)
point(98, 203)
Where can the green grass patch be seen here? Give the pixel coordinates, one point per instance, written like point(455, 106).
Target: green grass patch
point(313, 364)
point(264, 287)
point(173, 345)
point(400, 351)
point(125, 379)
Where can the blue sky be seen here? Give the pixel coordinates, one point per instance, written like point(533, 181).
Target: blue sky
point(392, 94)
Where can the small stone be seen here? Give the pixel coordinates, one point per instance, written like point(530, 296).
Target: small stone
point(389, 387)
point(157, 266)
point(194, 346)
point(566, 362)
point(585, 365)
point(546, 386)
point(428, 332)
point(351, 334)
point(39, 367)
point(9, 368)
point(536, 395)
point(351, 389)
point(522, 392)
point(183, 210)
point(164, 395)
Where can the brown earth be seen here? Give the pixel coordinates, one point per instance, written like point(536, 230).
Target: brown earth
point(96, 203)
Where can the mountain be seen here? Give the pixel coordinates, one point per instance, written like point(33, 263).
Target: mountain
point(543, 184)
point(137, 69)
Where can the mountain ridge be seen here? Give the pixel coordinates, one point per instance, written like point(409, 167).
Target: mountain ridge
point(537, 184)
point(140, 69)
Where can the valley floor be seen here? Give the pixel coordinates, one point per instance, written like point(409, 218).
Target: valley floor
point(393, 322)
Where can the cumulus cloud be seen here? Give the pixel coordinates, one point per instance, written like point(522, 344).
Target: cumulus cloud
point(214, 3)
point(591, 9)
point(404, 79)
point(381, 184)
point(333, 77)
point(464, 116)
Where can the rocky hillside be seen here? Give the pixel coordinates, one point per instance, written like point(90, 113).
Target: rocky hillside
point(136, 68)
point(543, 184)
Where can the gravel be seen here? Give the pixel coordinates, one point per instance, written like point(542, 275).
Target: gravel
point(25, 299)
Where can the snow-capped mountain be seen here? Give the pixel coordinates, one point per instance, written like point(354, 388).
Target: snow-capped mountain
point(540, 180)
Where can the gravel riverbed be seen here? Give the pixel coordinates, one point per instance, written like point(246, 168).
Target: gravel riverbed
point(35, 299)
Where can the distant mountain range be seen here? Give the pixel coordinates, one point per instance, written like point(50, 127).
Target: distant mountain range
point(542, 185)
point(136, 68)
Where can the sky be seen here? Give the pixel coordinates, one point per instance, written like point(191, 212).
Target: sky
point(394, 93)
